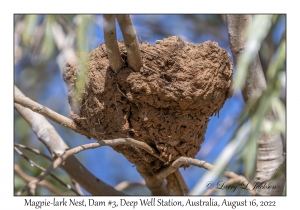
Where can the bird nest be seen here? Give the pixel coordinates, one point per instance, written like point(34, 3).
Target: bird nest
point(166, 104)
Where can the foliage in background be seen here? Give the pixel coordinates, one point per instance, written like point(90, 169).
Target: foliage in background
point(40, 53)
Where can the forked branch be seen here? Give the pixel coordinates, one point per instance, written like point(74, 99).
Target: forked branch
point(47, 134)
point(62, 120)
point(233, 177)
point(156, 183)
point(43, 169)
point(56, 163)
point(43, 183)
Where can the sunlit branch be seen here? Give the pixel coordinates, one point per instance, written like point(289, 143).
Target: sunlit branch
point(246, 33)
point(199, 163)
point(26, 102)
point(75, 150)
point(134, 56)
point(111, 43)
point(47, 134)
point(50, 114)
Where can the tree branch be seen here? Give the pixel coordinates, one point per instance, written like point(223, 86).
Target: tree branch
point(32, 163)
point(77, 187)
point(35, 151)
point(55, 117)
point(70, 124)
point(54, 143)
point(173, 185)
point(237, 31)
point(59, 160)
point(134, 56)
point(268, 145)
point(181, 183)
point(111, 43)
point(181, 161)
point(234, 180)
point(201, 164)
point(156, 184)
point(43, 183)
point(125, 185)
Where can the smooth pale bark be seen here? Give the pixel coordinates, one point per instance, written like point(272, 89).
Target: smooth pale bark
point(134, 57)
point(156, 186)
point(111, 44)
point(50, 114)
point(47, 134)
point(270, 147)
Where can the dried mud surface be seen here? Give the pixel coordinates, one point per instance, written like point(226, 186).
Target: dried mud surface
point(167, 104)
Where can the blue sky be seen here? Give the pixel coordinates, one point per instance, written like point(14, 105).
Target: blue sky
point(105, 163)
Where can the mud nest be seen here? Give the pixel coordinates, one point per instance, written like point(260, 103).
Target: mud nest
point(167, 104)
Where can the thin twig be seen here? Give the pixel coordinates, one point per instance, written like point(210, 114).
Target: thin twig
point(44, 131)
point(75, 150)
point(35, 151)
point(43, 183)
point(237, 179)
point(32, 163)
point(111, 43)
point(50, 114)
point(47, 134)
point(200, 163)
point(181, 161)
point(134, 142)
point(24, 101)
point(234, 180)
point(134, 56)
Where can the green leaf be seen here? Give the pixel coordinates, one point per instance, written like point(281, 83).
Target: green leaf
point(249, 158)
point(257, 31)
point(48, 45)
point(30, 22)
